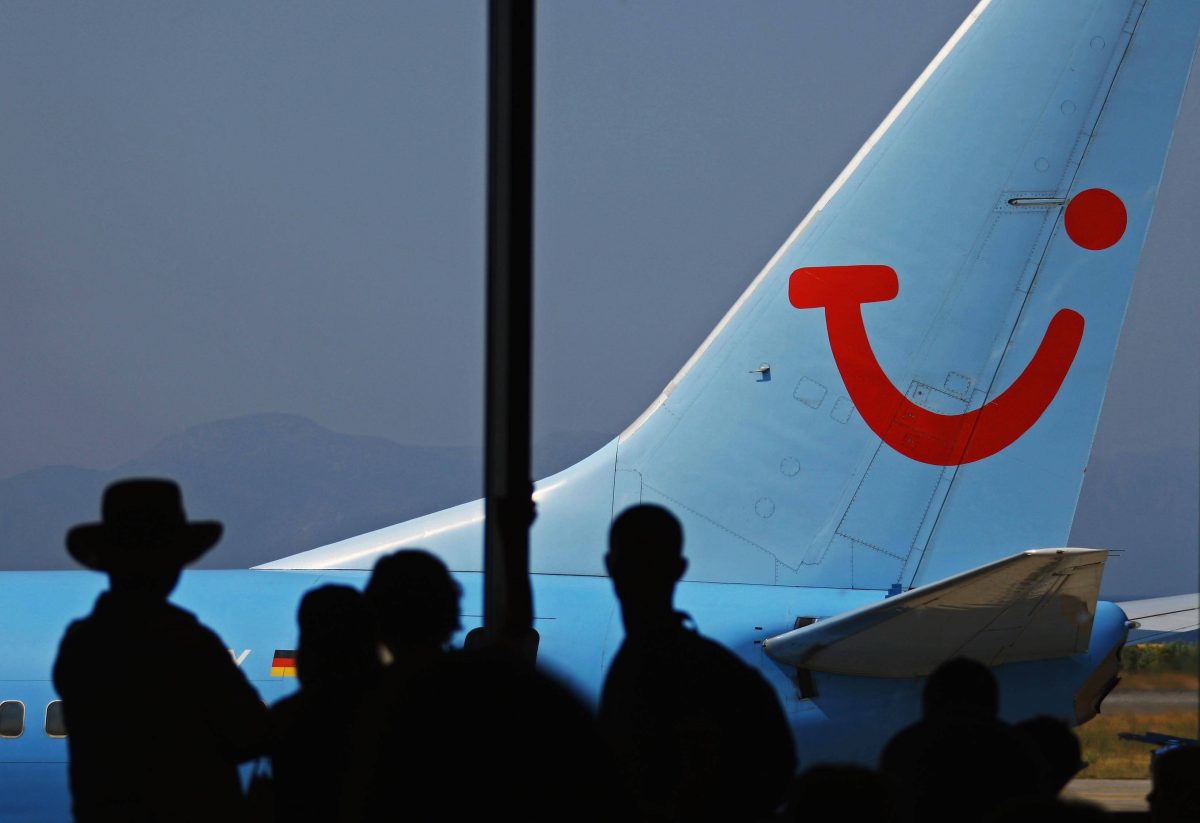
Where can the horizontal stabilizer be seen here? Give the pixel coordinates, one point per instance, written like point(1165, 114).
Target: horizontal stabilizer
point(1163, 619)
point(1035, 605)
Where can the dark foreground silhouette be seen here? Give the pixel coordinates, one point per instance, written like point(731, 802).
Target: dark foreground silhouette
point(686, 732)
point(960, 762)
point(841, 792)
point(466, 735)
point(1060, 756)
point(159, 714)
point(1041, 809)
point(1175, 796)
point(312, 731)
point(698, 734)
point(413, 601)
point(485, 737)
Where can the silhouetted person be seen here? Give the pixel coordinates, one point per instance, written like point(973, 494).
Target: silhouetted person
point(453, 735)
point(1058, 748)
point(312, 730)
point(485, 737)
point(158, 713)
point(698, 733)
point(960, 762)
point(1175, 786)
point(841, 792)
point(958, 691)
point(413, 601)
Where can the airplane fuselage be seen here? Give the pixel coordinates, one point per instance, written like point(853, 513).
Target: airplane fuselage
point(819, 453)
point(580, 629)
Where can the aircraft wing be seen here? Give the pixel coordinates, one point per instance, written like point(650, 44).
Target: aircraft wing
point(1035, 605)
point(1162, 619)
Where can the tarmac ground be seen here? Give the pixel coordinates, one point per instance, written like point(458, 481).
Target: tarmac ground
point(1112, 795)
point(1134, 701)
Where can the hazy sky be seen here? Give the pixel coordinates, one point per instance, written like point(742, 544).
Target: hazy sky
point(212, 209)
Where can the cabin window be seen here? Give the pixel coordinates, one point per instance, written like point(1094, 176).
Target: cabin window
point(12, 718)
point(56, 722)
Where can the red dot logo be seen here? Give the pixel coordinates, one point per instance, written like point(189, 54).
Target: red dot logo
point(1095, 219)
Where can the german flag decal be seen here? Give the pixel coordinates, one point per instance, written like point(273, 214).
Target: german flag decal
point(283, 664)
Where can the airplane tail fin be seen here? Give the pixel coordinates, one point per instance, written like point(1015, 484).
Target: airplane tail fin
point(911, 386)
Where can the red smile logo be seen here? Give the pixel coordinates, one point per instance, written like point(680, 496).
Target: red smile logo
point(1095, 219)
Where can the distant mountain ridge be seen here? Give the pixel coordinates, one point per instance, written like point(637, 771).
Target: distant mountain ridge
point(280, 483)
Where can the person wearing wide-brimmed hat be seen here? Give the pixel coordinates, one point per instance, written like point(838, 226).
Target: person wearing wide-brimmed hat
point(158, 715)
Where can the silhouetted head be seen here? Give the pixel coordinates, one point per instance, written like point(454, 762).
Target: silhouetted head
point(1058, 747)
point(337, 638)
point(143, 538)
point(414, 600)
point(1175, 792)
point(961, 688)
point(645, 556)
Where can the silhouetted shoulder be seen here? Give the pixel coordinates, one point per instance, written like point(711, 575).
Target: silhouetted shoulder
point(900, 756)
point(666, 658)
point(133, 638)
point(959, 768)
point(681, 712)
point(538, 754)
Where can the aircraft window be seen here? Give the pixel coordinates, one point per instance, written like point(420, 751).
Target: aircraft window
point(56, 722)
point(12, 718)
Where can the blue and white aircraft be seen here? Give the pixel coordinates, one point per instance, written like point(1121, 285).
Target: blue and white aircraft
point(876, 454)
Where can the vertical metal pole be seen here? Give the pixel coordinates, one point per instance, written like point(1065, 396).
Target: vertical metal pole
point(508, 599)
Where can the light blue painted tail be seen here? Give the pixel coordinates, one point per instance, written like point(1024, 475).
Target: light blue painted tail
point(910, 387)
point(816, 474)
